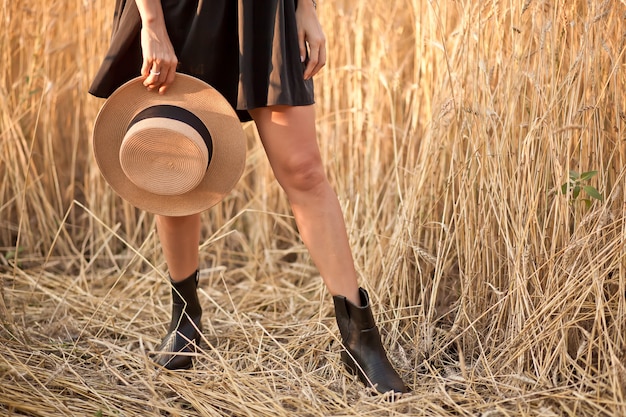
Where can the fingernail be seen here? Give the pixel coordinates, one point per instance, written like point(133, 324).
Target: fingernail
point(301, 58)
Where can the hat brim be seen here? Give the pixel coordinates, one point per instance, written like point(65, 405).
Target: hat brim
point(229, 143)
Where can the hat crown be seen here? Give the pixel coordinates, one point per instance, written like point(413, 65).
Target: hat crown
point(166, 150)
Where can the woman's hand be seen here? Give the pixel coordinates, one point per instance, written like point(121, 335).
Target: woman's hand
point(310, 33)
point(159, 59)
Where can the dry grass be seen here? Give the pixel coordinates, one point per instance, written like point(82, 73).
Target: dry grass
point(448, 128)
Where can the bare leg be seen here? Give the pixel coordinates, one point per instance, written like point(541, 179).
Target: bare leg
point(180, 237)
point(288, 135)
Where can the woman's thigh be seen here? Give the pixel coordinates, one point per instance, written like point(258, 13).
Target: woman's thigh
point(289, 137)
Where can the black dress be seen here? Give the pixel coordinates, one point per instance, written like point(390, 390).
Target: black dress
point(246, 49)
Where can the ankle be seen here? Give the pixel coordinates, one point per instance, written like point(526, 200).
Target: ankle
point(357, 298)
point(177, 278)
point(185, 291)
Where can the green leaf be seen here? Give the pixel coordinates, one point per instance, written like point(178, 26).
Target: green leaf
point(573, 175)
point(564, 188)
point(11, 254)
point(593, 193)
point(588, 175)
point(576, 192)
point(587, 203)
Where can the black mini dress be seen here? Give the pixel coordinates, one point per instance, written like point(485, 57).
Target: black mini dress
point(246, 49)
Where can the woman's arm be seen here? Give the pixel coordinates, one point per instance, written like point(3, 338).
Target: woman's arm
point(310, 32)
point(159, 59)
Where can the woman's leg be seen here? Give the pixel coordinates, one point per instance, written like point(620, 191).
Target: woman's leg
point(180, 237)
point(289, 137)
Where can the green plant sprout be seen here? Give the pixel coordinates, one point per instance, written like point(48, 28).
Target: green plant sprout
point(577, 183)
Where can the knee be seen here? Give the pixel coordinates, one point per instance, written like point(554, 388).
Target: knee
point(301, 173)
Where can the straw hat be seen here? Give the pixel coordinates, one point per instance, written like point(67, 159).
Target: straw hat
point(174, 154)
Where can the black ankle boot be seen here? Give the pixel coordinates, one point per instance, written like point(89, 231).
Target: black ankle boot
point(364, 353)
point(184, 332)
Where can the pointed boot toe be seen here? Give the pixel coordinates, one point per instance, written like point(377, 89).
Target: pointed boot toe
point(176, 350)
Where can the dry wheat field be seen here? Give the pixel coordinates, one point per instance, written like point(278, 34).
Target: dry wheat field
point(478, 148)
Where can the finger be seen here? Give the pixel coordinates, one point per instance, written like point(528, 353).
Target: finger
point(145, 68)
point(312, 63)
point(301, 45)
point(156, 77)
point(169, 79)
point(168, 73)
point(321, 60)
point(148, 73)
point(157, 67)
point(153, 80)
